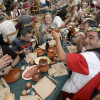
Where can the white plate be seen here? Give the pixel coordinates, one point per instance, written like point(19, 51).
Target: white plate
point(42, 57)
point(28, 68)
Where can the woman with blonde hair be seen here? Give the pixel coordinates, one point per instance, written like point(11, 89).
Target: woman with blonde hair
point(44, 34)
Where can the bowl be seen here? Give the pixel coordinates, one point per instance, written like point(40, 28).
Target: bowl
point(50, 29)
point(36, 77)
point(51, 54)
point(43, 65)
point(39, 51)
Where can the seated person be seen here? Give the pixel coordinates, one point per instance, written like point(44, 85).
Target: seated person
point(6, 61)
point(73, 13)
point(15, 13)
point(84, 66)
point(6, 27)
point(26, 6)
point(44, 34)
point(84, 8)
point(6, 16)
point(60, 19)
point(79, 41)
point(23, 20)
point(23, 45)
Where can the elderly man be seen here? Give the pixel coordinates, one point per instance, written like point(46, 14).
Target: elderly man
point(6, 61)
point(23, 45)
point(24, 20)
point(84, 66)
point(6, 27)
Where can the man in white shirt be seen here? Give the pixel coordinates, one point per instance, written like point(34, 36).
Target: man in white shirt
point(7, 27)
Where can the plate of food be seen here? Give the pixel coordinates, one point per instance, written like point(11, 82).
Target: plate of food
point(39, 51)
point(29, 72)
point(42, 57)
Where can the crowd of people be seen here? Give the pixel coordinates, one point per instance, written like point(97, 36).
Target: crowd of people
point(84, 64)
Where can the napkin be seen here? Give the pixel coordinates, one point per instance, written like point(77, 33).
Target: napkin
point(51, 71)
point(52, 42)
point(30, 56)
point(42, 46)
point(44, 87)
point(60, 69)
point(4, 89)
point(72, 49)
point(28, 97)
point(11, 97)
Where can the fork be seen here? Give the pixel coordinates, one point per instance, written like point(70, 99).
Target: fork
point(52, 79)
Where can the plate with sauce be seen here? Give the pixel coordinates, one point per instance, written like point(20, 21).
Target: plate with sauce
point(29, 72)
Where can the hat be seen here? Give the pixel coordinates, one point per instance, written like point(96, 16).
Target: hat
point(97, 29)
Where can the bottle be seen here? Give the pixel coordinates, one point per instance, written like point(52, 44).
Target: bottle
point(69, 34)
point(47, 46)
point(64, 43)
point(79, 22)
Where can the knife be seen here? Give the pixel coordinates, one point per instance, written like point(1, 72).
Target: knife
point(52, 79)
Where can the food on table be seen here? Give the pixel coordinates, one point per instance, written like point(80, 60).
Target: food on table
point(28, 85)
point(23, 67)
point(24, 92)
point(36, 77)
point(54, 59)
point(31, 62)
point(51, 63)
point(10, 97)
point(39, 51)
point(29, 73)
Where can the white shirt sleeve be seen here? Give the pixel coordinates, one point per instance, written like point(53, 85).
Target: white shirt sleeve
point(58, 21)
point(11, 14)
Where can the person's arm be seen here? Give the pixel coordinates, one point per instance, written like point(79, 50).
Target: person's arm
point(16, 60)
point(14, 63)
point(62, 25)
point(60, 52)
point(80, 43)
point(4, 61)
point(7, 17)
point(73, 18)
